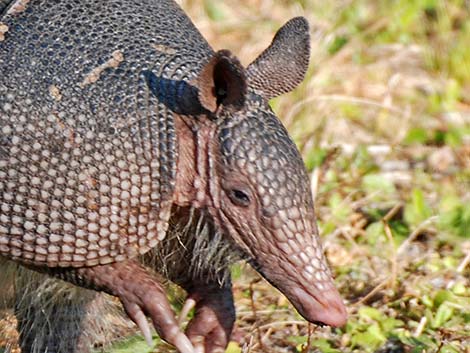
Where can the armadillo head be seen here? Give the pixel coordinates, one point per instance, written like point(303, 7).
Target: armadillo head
point(267, 208)
point(259, 188)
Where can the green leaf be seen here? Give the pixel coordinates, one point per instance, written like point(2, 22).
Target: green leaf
point(455, 216)
point(374, 232)
point(298, 340)
point(443, 314)
point(454, 137)
point(376, 331)
point(427, 300)
point(447, 348)
point(233, 347)
point(337, 44)
point(363, 161)
point(367, 312)
point(372, 338)
point(400, 229)
point(214, 10)
point(134, 344)
point(339, 209)
point(236, 271)
point(315, 157)
point(390, 323)
point(417, 210)
point(459, 288)
point(416, 135)
point(324, 346)
point(377, 184)
point(443, 296)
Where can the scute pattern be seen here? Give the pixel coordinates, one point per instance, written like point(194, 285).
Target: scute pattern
point(255, 143)
point(87, 153)
point(260, 145)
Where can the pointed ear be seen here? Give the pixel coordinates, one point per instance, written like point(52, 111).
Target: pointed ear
point(222, 82)
point(282, 66)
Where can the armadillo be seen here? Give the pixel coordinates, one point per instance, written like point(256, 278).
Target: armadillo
point(120, 126)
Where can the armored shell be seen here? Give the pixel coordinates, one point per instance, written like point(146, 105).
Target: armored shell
point(87, 152)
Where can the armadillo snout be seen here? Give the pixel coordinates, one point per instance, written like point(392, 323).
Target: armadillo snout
point(325, 307)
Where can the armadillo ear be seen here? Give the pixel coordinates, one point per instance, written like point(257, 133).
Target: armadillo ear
point(282, 66)
point(222, 82)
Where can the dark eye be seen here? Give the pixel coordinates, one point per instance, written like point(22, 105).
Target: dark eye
point(239, 197)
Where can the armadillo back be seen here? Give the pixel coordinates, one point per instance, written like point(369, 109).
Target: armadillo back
point(87, 152)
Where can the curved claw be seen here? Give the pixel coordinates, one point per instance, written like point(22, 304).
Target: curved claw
point(183, 344)
point(150, 299)
point(189, 304)
point(138, 316)
point(141, 295)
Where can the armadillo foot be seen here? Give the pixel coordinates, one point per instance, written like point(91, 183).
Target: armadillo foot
point(211, 327)
point(141, 295)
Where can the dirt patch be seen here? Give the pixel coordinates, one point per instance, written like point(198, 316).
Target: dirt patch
point(18, 7)
point(3, 30)
point(116, 58)
point(165, 49)
point(8, 333)
point(55, 92)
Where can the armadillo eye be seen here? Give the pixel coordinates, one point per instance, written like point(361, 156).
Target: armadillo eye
point(239, 197)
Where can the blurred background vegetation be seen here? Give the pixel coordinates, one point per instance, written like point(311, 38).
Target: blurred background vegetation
point(383, 123)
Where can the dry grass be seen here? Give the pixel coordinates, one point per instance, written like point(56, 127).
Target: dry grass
point(389, 115)
point(359, 106)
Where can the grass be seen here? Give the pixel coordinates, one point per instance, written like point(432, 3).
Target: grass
point(383, 123)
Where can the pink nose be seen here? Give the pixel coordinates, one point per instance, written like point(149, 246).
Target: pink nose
point(326, 307)
point(334, 312)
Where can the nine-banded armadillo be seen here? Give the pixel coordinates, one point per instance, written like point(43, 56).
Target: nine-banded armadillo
point(121, 127)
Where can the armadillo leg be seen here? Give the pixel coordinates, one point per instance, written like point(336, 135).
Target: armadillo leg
point(212, 325)
point(51, 314)
point(140, 293)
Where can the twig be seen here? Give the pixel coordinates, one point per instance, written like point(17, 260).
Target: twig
point(255, 317)
point(440, 347)
point(364, 201)
point(373, 291)
point(189, 305)
point(420, 328)
point(241, 313)
point(248, 346)
point(340, 98)
point(314, 179)
point(345, 231)
point(283, 323)
point(309, 337)
point(464, 263)
point(390, 214)
point(267, 334)
point(414, 234)
point(388, 233)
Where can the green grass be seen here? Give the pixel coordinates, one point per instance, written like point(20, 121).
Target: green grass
point(383, 119)
point(383, 123)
